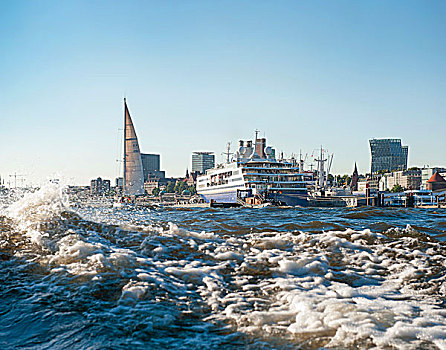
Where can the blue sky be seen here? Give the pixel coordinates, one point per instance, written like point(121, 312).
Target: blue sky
point(198, 74)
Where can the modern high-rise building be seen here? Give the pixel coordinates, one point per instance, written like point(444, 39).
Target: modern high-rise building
point(388, 155)
point(405, 150)
point(202, 161)
point(151, 166)
point(99, 186)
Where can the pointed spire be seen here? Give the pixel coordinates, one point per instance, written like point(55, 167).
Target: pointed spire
point(355, 177)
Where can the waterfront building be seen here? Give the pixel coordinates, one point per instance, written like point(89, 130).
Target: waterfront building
point(151, 183)
point(99, 186)
point(373, 184)
point(191, 178)
point(388, 155)
point(436, 183)
point(408, 179)
point(383, 183)
point(160, 173)
point(119, 183)
point(202, 161)
point(427, 173)
point(151, 166)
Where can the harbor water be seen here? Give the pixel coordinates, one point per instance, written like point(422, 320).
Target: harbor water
point(80, 275)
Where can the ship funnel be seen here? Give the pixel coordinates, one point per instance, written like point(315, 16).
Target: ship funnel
point(262, 148)
point(241, 150)
point(249, 150)
point(269, 152)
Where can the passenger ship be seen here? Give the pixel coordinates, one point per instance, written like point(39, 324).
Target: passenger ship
point(254, 171)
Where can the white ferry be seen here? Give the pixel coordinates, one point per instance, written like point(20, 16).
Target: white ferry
point(255, 171)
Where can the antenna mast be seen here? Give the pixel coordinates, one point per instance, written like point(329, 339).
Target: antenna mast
point(255, 142)
point(302, 162)
point(228, 152)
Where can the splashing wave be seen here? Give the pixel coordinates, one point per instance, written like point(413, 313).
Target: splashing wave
point(95, 276)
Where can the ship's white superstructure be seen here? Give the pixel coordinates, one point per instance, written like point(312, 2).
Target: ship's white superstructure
point(255, 171)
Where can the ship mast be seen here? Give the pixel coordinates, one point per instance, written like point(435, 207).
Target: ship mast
point(302, 161)
point(125, 150)
point(320, 169)
point(228, 152)
point(255, 144)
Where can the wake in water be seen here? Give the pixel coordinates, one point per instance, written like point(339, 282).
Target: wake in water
point(99, 277)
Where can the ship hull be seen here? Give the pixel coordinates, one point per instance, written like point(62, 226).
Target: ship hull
point(291, 199)
point(220, 197)
point(230, 197)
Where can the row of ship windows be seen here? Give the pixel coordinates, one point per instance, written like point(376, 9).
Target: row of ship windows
point(221, 175)
point(279, 187)
point(274, 178)
point(285, 172)
point(276, 186)
point(220, 182)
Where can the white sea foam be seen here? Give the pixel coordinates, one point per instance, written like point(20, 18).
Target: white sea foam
point(176, 231)
point(38, 216)
point(330, 284)
point(133, 291)
point(37, 208)
point(348, 288)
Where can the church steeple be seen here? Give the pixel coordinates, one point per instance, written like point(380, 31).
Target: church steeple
point(354, 182)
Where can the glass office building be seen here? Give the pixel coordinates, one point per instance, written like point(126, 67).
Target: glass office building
point(151, 166)
point(202, 161)
point(388, 155)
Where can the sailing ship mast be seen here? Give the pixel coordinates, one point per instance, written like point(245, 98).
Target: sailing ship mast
point(133, 180)
point(125, 148)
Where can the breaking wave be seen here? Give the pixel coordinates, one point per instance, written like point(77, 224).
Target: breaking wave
point(92, 276)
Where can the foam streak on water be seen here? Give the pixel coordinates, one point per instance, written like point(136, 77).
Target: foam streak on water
point(86, 275)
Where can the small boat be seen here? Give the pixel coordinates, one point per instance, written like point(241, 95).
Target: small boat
point(118, 205)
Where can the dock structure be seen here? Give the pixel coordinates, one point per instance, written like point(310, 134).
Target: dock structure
point(409, 199)
point(205, 205)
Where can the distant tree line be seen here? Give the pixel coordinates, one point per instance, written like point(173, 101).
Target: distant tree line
point(397, 188)
point(178, 187)
point(343, 180)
